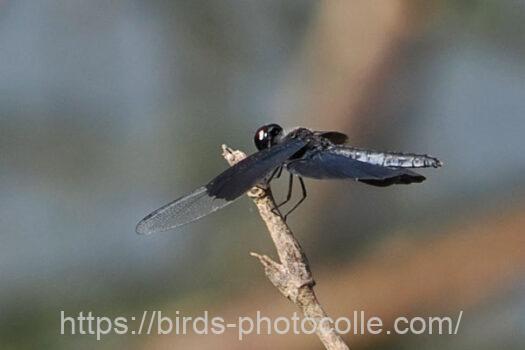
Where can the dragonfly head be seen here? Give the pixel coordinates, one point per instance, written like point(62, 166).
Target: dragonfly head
point(267, 136)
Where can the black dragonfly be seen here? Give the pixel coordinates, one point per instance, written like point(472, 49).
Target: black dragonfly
point(303, 153)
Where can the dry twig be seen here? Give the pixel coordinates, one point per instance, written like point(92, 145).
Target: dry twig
point(291, 276)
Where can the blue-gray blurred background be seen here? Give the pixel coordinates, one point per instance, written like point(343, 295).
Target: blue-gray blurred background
point(109, 109)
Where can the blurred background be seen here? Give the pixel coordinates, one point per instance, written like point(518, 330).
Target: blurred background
point(109, 109)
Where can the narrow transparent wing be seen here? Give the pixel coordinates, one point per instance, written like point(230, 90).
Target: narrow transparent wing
point(327, 165)
point(181, 211)
point(221, 191)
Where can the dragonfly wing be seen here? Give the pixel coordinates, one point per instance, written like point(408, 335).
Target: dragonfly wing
point(221, 191)
point(181, 211)
point(239, 178)
point(327, 165)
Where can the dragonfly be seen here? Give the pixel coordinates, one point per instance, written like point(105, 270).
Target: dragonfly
point(303, 153)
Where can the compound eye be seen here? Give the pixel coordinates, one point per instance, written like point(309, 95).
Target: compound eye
point(267, 136)
point(261, 138)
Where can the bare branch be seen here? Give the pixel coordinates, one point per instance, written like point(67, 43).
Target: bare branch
point(292, 275)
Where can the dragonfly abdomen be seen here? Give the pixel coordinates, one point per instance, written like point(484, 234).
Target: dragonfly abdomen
point(389, 159)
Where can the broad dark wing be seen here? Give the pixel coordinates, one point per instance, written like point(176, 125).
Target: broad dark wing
point(238, 179)
point(337, 138)
point(221, 191)
point(326, 165)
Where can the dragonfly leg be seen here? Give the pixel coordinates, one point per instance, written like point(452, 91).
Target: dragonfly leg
point(288, 195)
point(277, 172)
point(280, 171)
point(303, 188)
